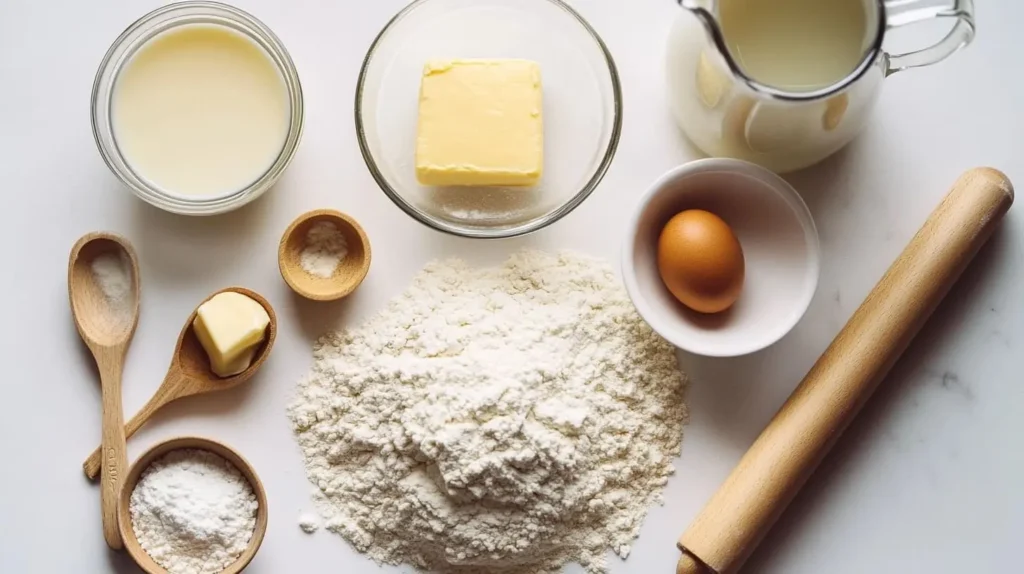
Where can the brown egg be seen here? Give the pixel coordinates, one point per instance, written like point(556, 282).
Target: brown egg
point(701, 261)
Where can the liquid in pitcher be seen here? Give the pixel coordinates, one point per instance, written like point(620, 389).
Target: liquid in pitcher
point(795, 45)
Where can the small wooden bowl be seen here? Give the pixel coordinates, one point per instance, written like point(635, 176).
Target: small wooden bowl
point(350, 272)
point(124, 518)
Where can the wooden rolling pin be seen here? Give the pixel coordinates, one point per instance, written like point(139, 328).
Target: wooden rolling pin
point(769, 475)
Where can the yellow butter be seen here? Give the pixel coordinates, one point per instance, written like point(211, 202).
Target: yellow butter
point(480, 123)
point(230, 327)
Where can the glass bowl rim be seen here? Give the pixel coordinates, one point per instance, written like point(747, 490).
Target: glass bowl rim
point(531, 225)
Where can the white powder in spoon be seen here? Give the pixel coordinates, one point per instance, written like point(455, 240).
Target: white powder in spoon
point(112, 273)
point(324, 250)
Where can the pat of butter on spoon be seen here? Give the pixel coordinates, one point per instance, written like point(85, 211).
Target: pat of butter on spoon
point(229, 327)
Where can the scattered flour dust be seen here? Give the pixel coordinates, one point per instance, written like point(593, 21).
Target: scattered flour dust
point(193, 512)
point(309, 522)
point(508, 419)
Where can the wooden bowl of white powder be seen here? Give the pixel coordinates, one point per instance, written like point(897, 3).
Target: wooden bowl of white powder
point(191, 504)
point(324, 255)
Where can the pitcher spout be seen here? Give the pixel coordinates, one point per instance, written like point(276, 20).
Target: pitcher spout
point(706, 12)
point(694, 5)
point(701, 8)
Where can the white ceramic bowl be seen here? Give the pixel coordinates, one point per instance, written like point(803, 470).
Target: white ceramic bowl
point(780, 248)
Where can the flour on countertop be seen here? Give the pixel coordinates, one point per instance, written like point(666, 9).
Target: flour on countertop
point(193, 512)
point(507, 419)
point(309, 523)
point(324, 250)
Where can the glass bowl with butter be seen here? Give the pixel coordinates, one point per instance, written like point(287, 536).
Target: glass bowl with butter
point(488, 118)
point(197, 108)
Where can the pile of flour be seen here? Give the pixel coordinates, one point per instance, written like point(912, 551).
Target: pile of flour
point(507, 419)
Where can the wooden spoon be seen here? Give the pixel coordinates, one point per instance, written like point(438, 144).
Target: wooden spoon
point(190, 374)
point(106, 321)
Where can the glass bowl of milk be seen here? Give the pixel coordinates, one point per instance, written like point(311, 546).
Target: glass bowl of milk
point(197, 108)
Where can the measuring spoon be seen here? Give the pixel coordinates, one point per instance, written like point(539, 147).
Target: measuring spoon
point(190, 374)
point(106, 327)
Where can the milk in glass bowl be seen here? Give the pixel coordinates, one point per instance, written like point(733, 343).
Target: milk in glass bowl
point(197, 108)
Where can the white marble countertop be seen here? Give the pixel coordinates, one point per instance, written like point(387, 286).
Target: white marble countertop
point(927, 480)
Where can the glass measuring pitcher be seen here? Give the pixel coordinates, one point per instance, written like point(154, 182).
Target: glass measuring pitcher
point(808, 80)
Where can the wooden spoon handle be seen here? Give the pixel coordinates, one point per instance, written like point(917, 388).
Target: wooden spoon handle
point(780, 461)
point(168, 391)
point(115, 460)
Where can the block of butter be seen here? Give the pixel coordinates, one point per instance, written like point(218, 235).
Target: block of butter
point(480, 123)
point(230, 327)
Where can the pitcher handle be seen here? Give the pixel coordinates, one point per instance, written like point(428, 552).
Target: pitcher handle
point(904, 12)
